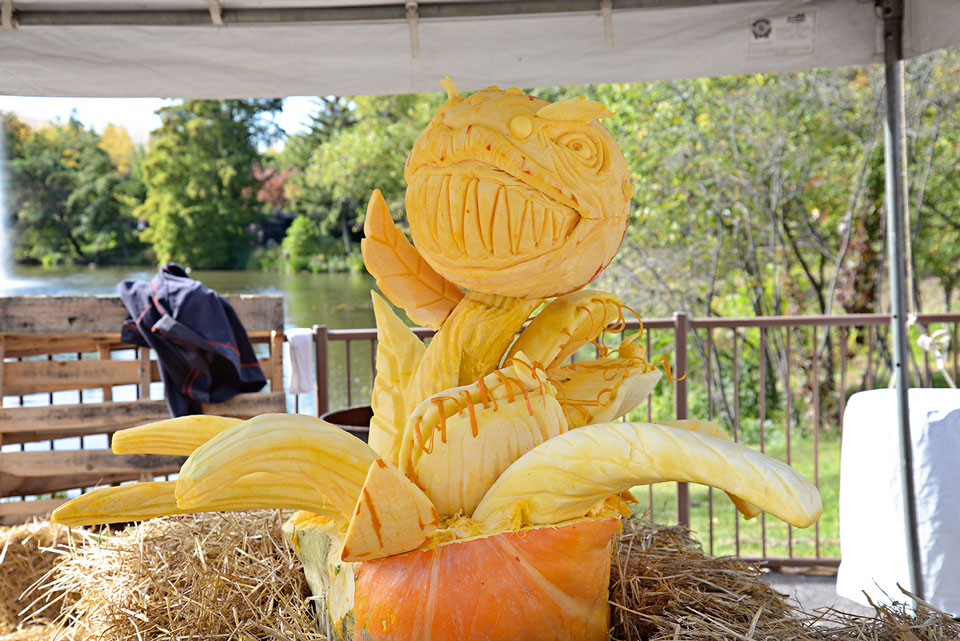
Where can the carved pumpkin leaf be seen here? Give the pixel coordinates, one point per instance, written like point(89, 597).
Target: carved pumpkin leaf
point(401, 272)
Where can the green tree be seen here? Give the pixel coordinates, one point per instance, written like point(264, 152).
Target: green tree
point(200, 189)
point(369, 155)
point(116, 141)
point(302, 242)
point(933, 113)
point(333, 115)
point(63, 190)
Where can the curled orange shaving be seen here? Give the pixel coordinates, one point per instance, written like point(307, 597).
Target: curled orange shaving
point(526, 398)
point(474, 426)
point(484, 392)
point(666, 368)
point(607, 390)
point(506, 384)
point(443, 419)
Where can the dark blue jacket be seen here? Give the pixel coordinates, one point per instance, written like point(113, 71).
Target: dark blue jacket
point(204, 353)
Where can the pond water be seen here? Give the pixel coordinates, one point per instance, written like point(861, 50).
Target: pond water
point(338, 300)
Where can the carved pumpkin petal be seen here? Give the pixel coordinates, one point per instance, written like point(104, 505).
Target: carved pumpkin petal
point(140, 501)
point(305, 451)
point(570, 474)
point(177, 436)
point(392, 516)
point(399, 353)
point(401, 273)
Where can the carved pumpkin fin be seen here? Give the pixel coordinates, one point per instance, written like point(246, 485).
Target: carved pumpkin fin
point(447, 83)
point(578, 108)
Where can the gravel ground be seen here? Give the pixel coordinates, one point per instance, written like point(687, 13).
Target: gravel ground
point(813, 592)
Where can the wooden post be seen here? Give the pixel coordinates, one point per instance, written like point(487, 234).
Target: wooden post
point(322, 393)
point(681, 325)
point(103, 352)
point(2, 353)
point(276, 361)
point(1, 366)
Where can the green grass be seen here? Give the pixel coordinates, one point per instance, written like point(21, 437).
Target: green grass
point(728, 527)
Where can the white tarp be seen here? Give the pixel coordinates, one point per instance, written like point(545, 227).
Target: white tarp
point(872, 540)
point(375, 56)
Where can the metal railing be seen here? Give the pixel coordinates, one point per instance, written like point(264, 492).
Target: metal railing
point(777, 384)
point(793, 373)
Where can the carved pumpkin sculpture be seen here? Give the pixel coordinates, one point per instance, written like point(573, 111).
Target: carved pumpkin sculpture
point(486, 503)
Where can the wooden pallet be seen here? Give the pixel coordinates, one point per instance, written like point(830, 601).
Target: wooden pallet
point(33, 327)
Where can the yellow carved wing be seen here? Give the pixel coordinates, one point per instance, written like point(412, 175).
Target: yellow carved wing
point(399, 353)
point(401, 273)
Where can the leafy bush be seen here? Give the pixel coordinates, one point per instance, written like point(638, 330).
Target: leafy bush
point(302, 243)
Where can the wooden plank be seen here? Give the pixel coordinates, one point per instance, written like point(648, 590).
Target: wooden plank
point(14, 485)
point(3, 355)
point(37, 344)
point(16, 512)
point(31, 377)
point(37, 436)
point(250, 405)
point(73, 314)
point(103, 352)
point(19, 345)
point(93, 417)
point(73, 462)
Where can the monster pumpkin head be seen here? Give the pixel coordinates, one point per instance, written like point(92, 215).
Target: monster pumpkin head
point(504, 188)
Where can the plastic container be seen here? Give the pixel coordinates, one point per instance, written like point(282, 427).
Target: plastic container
point(355, 420)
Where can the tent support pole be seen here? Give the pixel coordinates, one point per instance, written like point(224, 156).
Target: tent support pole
point(896, 181)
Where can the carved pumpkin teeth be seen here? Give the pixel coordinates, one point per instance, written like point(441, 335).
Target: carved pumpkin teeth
point(482, 217)
point(432, 190)
point(472, 230)
point(500, 235)
point(457, 211)
point(539, 218)
point(515, 204)
point(487, 192)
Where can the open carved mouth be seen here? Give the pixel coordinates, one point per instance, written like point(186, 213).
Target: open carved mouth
point(480, 211)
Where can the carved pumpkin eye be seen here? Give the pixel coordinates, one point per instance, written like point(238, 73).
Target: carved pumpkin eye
point(521, 127)
point(584, 148)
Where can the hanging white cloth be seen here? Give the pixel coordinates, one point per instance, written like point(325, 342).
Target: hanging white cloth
point(300, 340)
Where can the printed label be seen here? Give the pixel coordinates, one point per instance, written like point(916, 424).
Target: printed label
point(790, 35)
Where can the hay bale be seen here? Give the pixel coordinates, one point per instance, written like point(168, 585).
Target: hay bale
point(209, 576)
point(27, 553)
point(233, 576)
point(663, 586)
point(34, 633)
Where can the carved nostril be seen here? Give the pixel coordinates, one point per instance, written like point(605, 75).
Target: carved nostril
point(521, 127)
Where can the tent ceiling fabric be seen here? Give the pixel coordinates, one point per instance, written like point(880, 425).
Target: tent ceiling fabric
point(366, 47)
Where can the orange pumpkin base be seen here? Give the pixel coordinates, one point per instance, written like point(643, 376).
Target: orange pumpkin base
point(544, 583)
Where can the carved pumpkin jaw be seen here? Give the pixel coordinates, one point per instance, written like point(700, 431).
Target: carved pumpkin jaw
point(504, 188)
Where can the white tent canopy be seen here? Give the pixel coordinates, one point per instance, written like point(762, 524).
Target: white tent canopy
point(245, 48)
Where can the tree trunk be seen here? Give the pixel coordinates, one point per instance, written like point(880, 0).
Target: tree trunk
point(345, 230)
